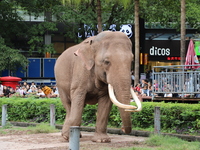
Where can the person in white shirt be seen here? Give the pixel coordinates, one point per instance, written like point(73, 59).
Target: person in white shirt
point(21, 91)
point(1, 89)
point(55, 92)
point(40, 93)
point(167, 94)
point(32, 90)
point(33, 85)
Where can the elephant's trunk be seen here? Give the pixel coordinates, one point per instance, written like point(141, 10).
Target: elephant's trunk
point(126, 120)
point(120, 96)
point(122, 92)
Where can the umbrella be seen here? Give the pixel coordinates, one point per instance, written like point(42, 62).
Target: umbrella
point(191, 57)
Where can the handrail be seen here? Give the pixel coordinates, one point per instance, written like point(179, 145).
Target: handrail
point(177, 81)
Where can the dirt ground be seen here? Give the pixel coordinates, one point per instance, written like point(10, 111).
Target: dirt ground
point(20, 140)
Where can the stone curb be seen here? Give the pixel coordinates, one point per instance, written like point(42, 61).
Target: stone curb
point(117, 131)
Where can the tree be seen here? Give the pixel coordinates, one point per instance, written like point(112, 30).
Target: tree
point(11, 59)
point(37, 31)
point(99, 19)
point(11, 24)
point(98, 8)
point(182, 51)
point(80, 12)
point(14, 27)
point(137, 43)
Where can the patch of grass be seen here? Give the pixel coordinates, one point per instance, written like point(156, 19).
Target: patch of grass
point(150, 129)
point(2, 131)
point(41, 128)
point(7, 126)
point(160, 142)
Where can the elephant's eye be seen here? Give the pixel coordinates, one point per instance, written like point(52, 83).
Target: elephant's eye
point(106, 62)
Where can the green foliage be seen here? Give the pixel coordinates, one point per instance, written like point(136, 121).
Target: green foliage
point(89, 115)
point(193, 13)
point(13, 27)
point(175, 117)
point(10, 58)
point(32, 110)
point(36, 34)
point(10, 21)
point(167, 13)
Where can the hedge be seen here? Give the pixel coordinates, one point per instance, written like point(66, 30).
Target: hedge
point(178, 117)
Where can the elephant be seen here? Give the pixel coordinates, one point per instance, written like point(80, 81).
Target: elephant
point(98, 70)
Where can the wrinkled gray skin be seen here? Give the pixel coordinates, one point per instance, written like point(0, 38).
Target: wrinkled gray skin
point(83, 73)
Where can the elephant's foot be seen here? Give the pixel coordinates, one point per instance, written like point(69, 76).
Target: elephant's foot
point(101, 138)
point(66, 136)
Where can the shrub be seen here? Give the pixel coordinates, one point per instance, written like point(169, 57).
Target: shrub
point(177, 117)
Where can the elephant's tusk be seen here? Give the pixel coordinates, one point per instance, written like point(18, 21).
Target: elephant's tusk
point(137, 101)
point(116, 102)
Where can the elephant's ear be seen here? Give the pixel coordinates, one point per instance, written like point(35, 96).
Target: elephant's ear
point(86, 56)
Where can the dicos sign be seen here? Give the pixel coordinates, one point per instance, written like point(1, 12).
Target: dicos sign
point(156, 51)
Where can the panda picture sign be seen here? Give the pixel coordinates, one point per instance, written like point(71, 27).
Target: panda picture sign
point(125, 28)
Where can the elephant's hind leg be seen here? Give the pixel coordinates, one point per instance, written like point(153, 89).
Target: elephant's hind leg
point(67, 105)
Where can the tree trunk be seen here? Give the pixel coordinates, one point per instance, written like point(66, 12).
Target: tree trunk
point(182, 51)
point(47, 36)
point(99, 21)
point(137, 43)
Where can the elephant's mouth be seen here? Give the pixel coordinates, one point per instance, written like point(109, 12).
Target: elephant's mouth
point(124, 106)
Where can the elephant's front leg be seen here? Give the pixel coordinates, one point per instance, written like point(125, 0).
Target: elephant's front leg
point(104, 107)
point(73, 118)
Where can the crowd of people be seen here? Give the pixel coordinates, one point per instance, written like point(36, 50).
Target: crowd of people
point(26, 90)
point(168, 83)
point(143, 88)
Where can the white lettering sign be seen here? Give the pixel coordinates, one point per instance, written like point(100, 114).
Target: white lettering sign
point(156, 51)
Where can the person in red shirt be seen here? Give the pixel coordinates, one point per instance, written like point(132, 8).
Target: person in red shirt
point(137, 88)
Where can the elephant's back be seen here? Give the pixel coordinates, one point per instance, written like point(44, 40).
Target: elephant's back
point(64, 61)
point(67, 62)
point(64, 68)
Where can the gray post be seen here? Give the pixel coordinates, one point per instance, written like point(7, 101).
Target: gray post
point(52, 115)
point(157, 120)
point(74, 138)
point(4, 114)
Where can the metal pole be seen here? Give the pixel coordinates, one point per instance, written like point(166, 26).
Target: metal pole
point(52, 115)
point(157, 120)
point(4, 114)
point(74, 138)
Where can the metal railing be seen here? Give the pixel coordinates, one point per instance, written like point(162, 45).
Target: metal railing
point(176, 80)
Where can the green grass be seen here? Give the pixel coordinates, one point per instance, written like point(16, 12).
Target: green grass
point(2, 131)
point(40, 128)
point(151, 129)
point(159, 142)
